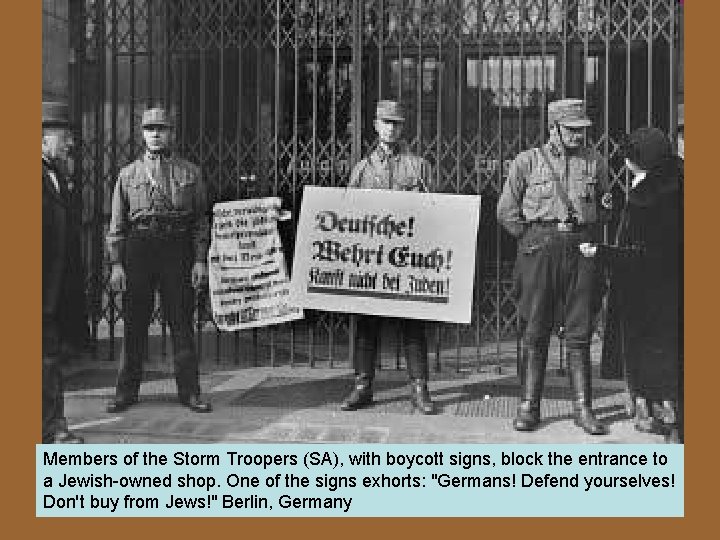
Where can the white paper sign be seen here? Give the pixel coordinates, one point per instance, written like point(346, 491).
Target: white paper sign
point(249, 285)
point(392, 253)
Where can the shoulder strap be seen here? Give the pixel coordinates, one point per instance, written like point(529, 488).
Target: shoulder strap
point(559, 188)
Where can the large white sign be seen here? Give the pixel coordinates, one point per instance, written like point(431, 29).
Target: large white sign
point(393, 253)
point(248, 279)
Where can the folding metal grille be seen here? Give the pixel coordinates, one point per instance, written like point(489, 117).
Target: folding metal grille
point(273, 95)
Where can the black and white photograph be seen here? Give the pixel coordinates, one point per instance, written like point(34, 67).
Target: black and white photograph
point(363, 221)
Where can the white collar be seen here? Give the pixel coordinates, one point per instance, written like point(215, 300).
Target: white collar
point(639, 177)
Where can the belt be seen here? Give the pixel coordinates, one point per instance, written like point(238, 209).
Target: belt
point(562, 226)
point(158, 225)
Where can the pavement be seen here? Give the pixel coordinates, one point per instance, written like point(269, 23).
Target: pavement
point(298, 403)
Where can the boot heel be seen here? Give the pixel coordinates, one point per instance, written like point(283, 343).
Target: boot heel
point(360, 397)
point(420, 398)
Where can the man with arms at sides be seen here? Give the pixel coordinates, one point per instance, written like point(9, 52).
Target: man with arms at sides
point(57, 142)
point(158, 238)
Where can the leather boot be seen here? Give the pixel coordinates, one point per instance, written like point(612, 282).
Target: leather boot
point(196, 404)
point(528, 412)
point(67, 437)
point(581, 379)
point(420, 397)
point(361, 396)
point(644, 420)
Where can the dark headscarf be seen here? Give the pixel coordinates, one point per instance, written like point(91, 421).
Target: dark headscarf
point(651, 150)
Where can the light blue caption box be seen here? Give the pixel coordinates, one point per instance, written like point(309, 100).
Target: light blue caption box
point(359, 480)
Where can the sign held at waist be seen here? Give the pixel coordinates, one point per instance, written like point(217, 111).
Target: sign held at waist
point(390, 253)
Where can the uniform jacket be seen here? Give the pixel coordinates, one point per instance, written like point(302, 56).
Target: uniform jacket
point(399, 171)
point(166, 188)
point(529, 193)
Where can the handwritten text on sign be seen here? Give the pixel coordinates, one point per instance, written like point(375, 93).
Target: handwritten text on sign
point(249, 285)
point(399, 254)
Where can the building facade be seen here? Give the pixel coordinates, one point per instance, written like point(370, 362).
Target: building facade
point(273, 95)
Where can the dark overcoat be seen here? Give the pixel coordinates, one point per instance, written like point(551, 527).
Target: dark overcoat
point(55, 228)
point(646, 268)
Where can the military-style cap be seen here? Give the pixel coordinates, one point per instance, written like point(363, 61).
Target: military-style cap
point(390, 110)
point(681, 115)
point(568, 112)
point(156, 116)
point(55, 114)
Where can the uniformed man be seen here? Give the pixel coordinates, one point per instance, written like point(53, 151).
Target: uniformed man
point(158, 239)
point(390, 166)
point(552, 201)
point(57, 293)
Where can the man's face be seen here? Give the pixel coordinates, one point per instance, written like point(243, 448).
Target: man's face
point(388, 131)
point(572, 137)
point(157, 138)
point(57, 144)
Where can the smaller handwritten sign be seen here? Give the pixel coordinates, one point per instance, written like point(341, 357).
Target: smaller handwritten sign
point(249, 285)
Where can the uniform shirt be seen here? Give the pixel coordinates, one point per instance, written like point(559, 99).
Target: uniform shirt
point(398, 170)
point(159, 187)
point(529, 194)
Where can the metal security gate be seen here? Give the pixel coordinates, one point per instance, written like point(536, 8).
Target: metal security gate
point(274, 95)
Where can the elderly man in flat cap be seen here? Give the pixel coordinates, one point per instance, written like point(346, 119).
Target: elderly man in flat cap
point(58, 292)
point(390, 166)
point(158, 239)
point(554, 199)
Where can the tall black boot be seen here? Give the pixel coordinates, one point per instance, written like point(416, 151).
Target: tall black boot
point(581, 379)
point(367, 329)
point(417, 362)
point(528, 413)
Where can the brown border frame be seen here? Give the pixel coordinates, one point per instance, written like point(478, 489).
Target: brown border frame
point(20, 321)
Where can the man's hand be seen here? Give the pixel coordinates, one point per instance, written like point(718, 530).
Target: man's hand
point(588, 250)
point(118, 281)
point(199, 274)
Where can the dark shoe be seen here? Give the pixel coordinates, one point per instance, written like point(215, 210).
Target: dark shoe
point(644, 420)
point(420, 397)
point(67, 437)
point(673, 436)
point(581, 380)
point(360, 397)
point(528, 416)
point(118, 405)
point(195, 404)
point(669, 413)
point(585, 419)
point(630, 406)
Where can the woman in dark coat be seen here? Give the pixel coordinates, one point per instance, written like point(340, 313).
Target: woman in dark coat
point(647, 275)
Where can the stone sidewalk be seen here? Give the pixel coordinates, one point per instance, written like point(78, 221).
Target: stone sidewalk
point(301, 404)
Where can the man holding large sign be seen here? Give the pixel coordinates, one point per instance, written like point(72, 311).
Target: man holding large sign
point(381, 250)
